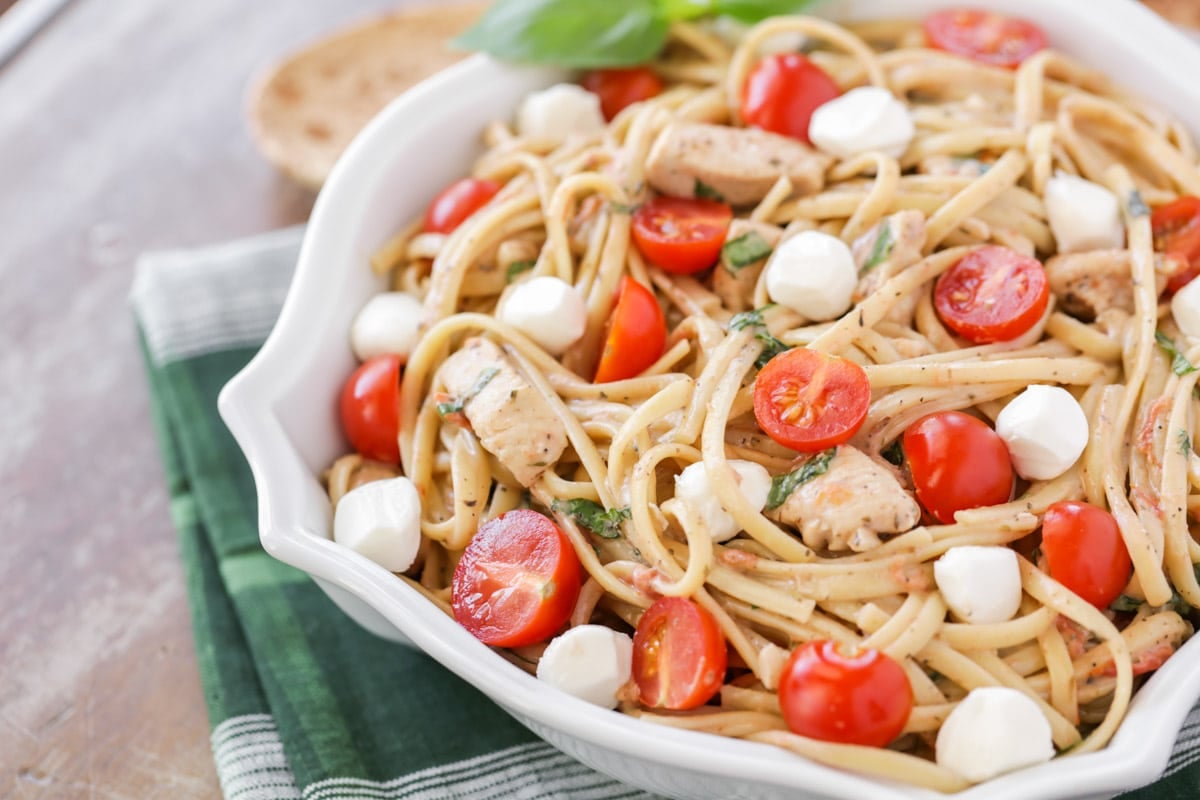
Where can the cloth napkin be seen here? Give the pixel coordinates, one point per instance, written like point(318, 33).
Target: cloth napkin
point(302, 702)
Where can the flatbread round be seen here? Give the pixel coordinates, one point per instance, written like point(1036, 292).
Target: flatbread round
point(304, 112)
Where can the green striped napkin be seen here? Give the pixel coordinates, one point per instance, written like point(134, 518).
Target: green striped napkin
point(303, 703)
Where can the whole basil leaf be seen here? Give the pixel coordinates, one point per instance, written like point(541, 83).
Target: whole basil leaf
point(570, 33)
point(752, 11)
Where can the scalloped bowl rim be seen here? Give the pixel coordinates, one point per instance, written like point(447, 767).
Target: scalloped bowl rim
point(293, 513)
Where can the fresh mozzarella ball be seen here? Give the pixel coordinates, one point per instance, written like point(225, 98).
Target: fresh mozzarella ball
point(382, 521)
point(863, 120)
point(814, 274)
point(1083, 215)
point(386, 325)
point(591, 662)
point(554, 114)
point(980, 584)
point(1185, 307)
point(547, 310)
point(693, 488)
point(1045, 430)
point(992, 731)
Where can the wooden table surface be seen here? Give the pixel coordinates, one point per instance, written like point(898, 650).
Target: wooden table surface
point(121, 130)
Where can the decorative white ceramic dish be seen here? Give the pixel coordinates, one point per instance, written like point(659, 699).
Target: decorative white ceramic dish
point(282, 410)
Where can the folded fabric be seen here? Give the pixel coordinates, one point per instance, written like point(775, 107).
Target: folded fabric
point(302, 702)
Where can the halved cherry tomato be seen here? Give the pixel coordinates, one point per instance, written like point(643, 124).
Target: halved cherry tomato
point(517, 580)
point(983, 36)
point(809, 401)
point(957, 463)
point(680, 234)
point(458, 201)
point(860, 696)
point(782, 92)
point(637, 334)
point(370, 409)
point(619, 88)
point(1085, 552)
point(992, 294)
point(1177, 233)
point(679, 655)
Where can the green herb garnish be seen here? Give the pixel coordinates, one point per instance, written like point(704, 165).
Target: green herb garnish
point(455, 406)
point(1179, 363)
point(782, 486)
point(1183, 440)
point(622, 208)
point(517, 267)
point(754, 319)
point(1125, 603)
point(703, 191)
point(893, 453)
point(598, 33)
point(882, 248)
point(593, 516)
point(745, 250)
point(1136, 205)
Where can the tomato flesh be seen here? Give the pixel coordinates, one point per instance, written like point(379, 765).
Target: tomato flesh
point(517, 580)
point(810, 401)
point(620, 88)
point(681, 234)
point(994, 39)
point(992, 294)
point(782, 92)
point(1085, 552)
point(370, 409)
point(679, 655)
point(957, 462)
point(637, 334)
point(1176, 229)
point(859, 697)
point(458, 201)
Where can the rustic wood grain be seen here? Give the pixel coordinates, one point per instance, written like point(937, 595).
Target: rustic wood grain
point(121, 130)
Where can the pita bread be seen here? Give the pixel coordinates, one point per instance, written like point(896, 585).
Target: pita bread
point(304, 112)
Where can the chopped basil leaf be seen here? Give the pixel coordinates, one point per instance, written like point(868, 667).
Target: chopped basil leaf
point(754, 319)
point(455, 406)
point(703, 191)
point(1179, 363)
point(1125, 603)
point(746, 319)
point(1184, 441)
point(593, 516)
point(744, 251)
point(782, 486)
point(622, 208)
point(1136, 205)
point(881, 249)
point(894, 453)
point(517, 267)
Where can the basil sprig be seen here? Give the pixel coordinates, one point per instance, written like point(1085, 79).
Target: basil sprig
point(598, 33)
point(593, 516)
point(745, 250)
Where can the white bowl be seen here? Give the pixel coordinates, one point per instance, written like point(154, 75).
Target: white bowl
point(282, 410)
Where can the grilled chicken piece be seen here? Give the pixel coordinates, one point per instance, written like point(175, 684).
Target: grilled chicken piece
point(739, 164)
point(1088, 284)
point(511, 418)
point(849, 505)
point(734, 281)
point(891, 247)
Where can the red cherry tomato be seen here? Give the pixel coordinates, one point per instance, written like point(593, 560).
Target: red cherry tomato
point(637, 334)
point(809, 401)
point(957, 463)
point(458, 201)
point(680, 234)
point(678, 655)
point(1177, 233)
point(517, 580)
point(370, 409)
point(619, 88)
point(861, 697)
point(1085, 552)
point(782, 92)
point(992, 295)
point(983, 36)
